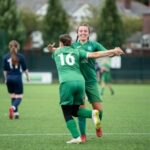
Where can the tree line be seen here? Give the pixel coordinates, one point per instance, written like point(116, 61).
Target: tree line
point(18, 24)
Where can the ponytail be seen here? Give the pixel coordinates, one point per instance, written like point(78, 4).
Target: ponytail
point(14, 46)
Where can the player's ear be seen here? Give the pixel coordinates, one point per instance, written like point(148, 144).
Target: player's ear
point(61, 44)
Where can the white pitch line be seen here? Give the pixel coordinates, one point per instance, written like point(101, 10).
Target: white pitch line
point(65, 134)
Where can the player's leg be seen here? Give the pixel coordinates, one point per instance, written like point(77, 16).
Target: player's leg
point(80, 99)
point(66, 91)
point(109, 83)
point(11, 109)
point(82, 126)
point(71, 124)
point(94, 97)
point(98, 106)
point(18, 97)
point(103, 85)
point(16, 105)
point(86, 113)
point(111, 89)
point(10, 89)
point(103, 82)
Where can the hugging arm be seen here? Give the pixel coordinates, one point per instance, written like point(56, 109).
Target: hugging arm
point(108, 53)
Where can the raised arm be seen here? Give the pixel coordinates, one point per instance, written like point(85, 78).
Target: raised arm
point(51, 47)
point(108, 53)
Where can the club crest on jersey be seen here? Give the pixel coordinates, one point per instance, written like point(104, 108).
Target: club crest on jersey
point(89, 48)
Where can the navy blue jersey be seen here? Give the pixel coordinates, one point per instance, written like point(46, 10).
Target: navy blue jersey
point(14, 69)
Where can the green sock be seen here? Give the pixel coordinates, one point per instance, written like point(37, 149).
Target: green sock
point(112, 91)
point(82, 125)
point(85, 113)
point(71, 125)
point(100, 114)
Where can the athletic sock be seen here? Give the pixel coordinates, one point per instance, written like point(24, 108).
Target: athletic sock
point(16, 110)
point(85, 113)
point(17, 102)
point(82, 125)
point(82, 114)
point(12, 100)
point(71, 125)
point(112, 91)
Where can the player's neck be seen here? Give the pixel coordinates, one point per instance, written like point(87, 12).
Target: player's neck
point(82, 42)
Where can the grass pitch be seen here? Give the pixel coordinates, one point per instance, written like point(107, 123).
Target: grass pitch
point(126, 121)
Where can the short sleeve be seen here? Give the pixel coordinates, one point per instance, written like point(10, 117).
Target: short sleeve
point(99, 47)
point(23, 63)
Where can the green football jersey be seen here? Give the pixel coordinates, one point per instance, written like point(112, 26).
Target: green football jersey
point(87, 66)
point(106, 66)
point(67, 62)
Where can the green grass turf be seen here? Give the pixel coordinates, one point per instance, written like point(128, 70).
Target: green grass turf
point(126, 121)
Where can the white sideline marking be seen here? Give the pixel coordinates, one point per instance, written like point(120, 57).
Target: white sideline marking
point(65, 134)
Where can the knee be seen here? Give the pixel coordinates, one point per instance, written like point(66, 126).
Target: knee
point(98, 106)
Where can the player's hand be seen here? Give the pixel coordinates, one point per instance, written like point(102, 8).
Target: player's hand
point(118, 51)
point(51, 47)
point(28, 79)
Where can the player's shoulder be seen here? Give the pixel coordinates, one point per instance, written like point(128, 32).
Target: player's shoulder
point(75, 44)
point(20, 56)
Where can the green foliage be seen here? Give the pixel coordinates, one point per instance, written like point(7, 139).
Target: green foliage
point(132, 25)
point(3, 41)
point(55, 22)
point(93, 20)
point(110, 27)
point(30, 20)
point(11, 27)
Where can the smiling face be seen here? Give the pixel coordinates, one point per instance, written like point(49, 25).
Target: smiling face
point(83, 33)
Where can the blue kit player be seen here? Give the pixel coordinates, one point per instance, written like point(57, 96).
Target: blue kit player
point(13, 66)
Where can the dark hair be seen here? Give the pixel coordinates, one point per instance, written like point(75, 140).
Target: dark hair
point(65, 39)
point(13, 51)
point(83, 24)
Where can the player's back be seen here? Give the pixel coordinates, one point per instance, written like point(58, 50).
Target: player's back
point(14, 69)
point(67, 62)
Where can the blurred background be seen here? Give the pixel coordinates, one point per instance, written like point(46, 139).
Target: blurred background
point(35, 23)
